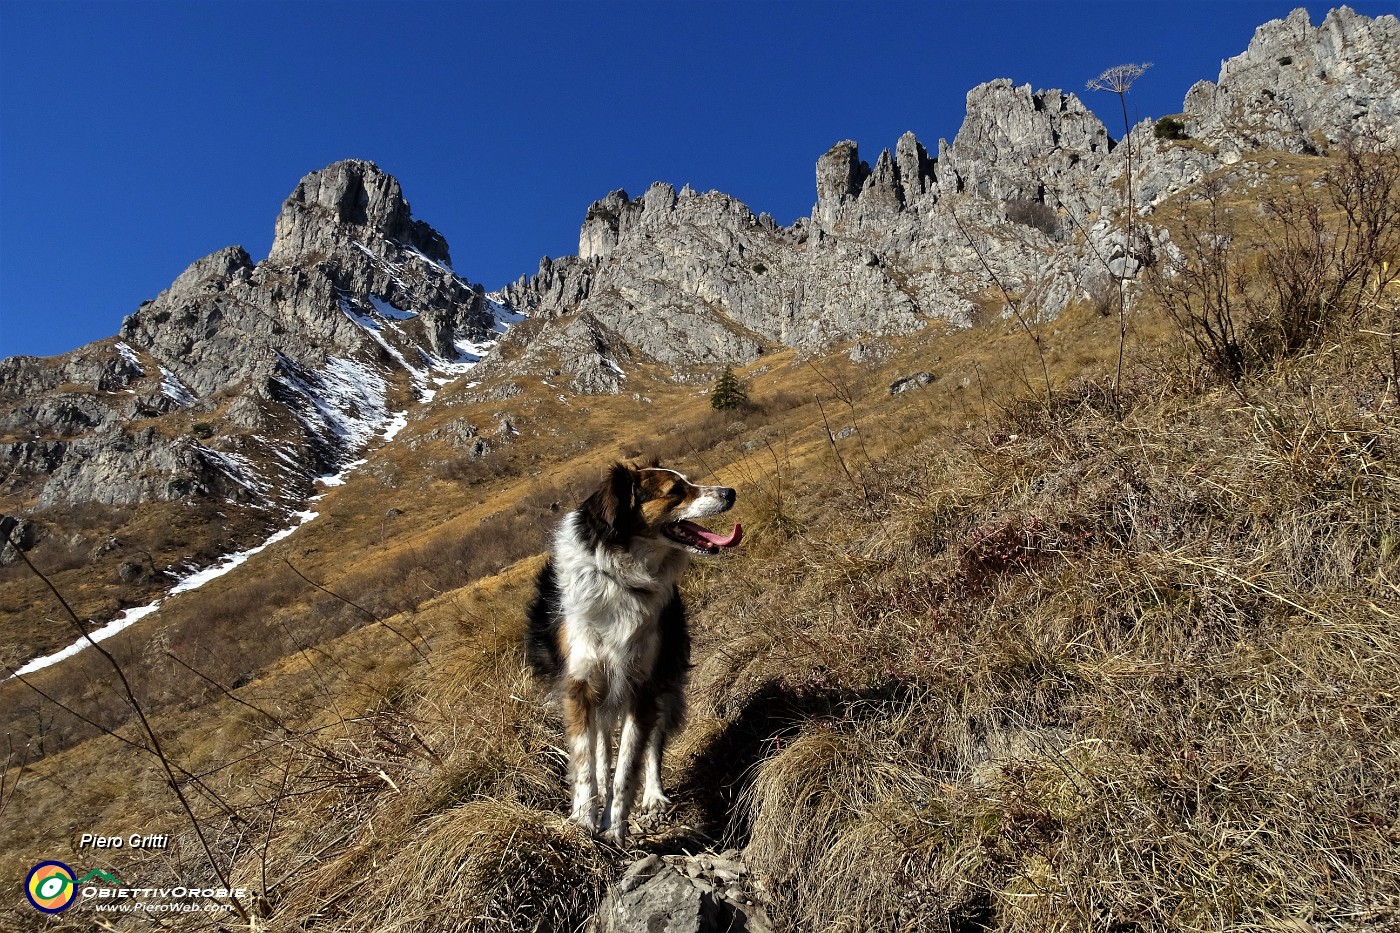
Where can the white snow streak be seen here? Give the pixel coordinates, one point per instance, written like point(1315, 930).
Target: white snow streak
point(191, 582)
point(175, 390)
point(386, 310)
point(129, 355)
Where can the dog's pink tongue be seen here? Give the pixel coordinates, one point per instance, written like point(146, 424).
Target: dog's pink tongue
point(729, 540)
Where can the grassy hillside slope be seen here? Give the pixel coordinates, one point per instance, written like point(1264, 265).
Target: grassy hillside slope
point(990, 658)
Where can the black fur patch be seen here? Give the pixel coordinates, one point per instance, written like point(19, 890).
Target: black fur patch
point(608, 516)
point(673, 658)
point(545, 619)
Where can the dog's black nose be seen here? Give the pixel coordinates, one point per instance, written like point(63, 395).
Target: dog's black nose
point(728, 495)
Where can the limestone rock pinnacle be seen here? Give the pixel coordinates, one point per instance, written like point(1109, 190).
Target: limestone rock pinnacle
point(348, 200)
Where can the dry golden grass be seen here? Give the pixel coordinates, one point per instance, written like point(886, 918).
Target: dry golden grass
point(1087, 675)
point(986, 660)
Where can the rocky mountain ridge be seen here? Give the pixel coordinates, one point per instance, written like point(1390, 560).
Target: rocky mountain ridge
point(355, 306)
point(1302, 89)
point(244, 381)
point(1025, 197)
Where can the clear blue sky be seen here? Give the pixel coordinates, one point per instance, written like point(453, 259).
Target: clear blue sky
point(136, 137)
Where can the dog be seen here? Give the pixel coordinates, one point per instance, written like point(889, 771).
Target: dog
point(607, 630)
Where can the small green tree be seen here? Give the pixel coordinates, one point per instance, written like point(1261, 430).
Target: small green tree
point(728, 392)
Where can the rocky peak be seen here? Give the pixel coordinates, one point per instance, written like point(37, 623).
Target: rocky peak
point(840, 176)
point(303, 353)
point(1009, 129)
point(916, 169)
point(1015, 144)
point(602, 225)
point(1298, 88)
point(850, 192)
point(349, 200)
point(214, 271)
point(617, 217)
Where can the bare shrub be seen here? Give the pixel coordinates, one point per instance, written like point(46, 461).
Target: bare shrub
point(1320, 247)
point(1245, 297)
point(1035, 214)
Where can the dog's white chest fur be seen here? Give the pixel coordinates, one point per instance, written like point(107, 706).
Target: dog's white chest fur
point(612, 599)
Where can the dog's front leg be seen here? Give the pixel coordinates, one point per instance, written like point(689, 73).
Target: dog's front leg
point(602, 760)
point(581, 723)
point(630, 748)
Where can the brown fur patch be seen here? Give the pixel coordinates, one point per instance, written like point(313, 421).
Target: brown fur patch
point(580, 700)
point(662, 495)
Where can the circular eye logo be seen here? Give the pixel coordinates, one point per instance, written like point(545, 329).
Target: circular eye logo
point(50, 887)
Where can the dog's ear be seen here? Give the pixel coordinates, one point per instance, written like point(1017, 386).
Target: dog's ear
point(608, 513)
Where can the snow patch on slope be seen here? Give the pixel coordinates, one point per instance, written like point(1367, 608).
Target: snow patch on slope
point(175, 390)
point(343, 402)
point(386, 310)
point(129, 356)
point(189, 582)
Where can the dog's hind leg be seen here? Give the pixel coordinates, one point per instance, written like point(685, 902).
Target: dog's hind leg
point(603, 759)
point(581, 722)
point(669, 719)
point(654, 799)
point(670, 679)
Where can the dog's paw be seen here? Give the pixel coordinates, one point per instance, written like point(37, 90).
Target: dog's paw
point(616, 835)
point(586, 818)
point(655, 805)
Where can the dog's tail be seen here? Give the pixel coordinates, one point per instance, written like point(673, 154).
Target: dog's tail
point(542, 634)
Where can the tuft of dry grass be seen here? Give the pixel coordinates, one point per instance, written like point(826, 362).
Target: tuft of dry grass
point(487, 865)
point(1074, 674)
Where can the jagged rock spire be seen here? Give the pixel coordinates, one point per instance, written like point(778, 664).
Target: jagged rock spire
point(351, 199)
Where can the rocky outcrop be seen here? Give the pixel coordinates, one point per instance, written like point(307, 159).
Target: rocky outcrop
point(698, 280)
point(704, 893)
point(347, 202)
point(349, 271)
point(245, 380)
point(1302, 89)
point(841, 176)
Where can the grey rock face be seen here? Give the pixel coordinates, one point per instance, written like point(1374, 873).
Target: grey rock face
point(840, 176)
point(682, 894)
point(346, 201)
point(1297, 88)
point(294, 360)
point(349, 271)
point(699, 280)
point(668, 903)
point(1014, 142)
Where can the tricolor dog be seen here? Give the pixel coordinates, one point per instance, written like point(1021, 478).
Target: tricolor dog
point(607, 630)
